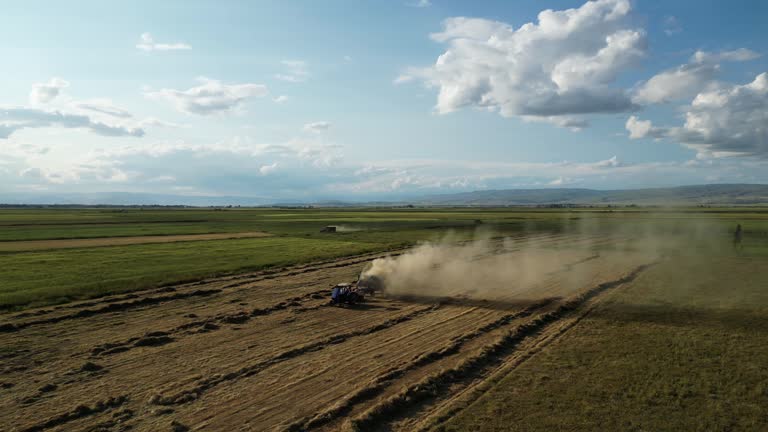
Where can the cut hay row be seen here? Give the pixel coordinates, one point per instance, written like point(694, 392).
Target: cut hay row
point(440, 382)
point(375, 386)
point(207, 324)
point(79, 412)
point(193, 393)
point(109, 308)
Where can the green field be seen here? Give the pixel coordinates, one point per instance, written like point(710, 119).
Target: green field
point(59, 275)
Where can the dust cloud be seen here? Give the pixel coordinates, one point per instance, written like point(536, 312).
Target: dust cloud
point(524, 267)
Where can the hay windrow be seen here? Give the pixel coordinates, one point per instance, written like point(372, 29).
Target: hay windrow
point(375, 386)
point(78, 412)
point(193, 393)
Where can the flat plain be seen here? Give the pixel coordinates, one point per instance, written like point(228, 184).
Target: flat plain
point(645, 320)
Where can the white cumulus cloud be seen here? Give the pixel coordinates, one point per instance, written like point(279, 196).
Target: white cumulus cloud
point(563, 65)
point(643, 128)
point(687, 80)
point(674, 84)
point(726, 120)
point(210, 97)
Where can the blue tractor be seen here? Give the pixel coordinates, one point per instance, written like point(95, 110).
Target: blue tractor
point(346, 293)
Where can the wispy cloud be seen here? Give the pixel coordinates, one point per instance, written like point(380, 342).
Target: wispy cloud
point(210, 97)
point(420, 3)
point(296, 71)
point(672, 25)
point(148, 43)
point(102, 106)
point(317, 127)
point(14, 119)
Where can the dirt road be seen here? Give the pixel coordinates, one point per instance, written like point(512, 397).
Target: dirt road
point(264, 351)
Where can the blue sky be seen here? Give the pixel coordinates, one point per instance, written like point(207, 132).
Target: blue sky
point(371, 99)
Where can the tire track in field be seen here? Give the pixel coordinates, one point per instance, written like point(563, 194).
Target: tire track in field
point(433, 386)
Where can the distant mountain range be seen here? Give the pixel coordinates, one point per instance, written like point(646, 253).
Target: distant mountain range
point(726, 194)
point(127, 198)
point(716, 194)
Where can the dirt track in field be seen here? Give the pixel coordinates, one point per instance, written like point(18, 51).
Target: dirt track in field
point(31, 245)
point(264, 351)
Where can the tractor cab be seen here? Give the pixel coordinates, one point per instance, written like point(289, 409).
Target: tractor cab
point(345, 293)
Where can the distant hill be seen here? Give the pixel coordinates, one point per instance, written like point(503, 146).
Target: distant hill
point(720, 194)
point(126, 199)
point(724, 194)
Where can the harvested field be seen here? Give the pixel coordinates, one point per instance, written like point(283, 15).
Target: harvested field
point(265, 351)
point(32, 245)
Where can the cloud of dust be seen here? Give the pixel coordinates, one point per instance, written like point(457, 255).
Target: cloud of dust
point(527, 266)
